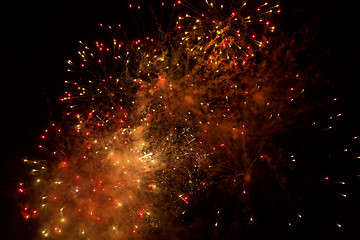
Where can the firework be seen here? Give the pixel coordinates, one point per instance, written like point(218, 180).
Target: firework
point(159, 126)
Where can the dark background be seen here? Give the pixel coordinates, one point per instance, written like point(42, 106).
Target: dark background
point(37, 39)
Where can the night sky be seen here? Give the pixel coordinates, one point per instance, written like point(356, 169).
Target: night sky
point(37, 41)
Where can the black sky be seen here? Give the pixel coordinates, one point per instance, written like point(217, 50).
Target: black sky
point(37, 39)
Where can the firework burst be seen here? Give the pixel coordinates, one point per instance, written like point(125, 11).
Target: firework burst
point(159, 127)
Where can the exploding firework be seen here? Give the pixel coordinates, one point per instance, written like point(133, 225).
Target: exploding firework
point(159, 127)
